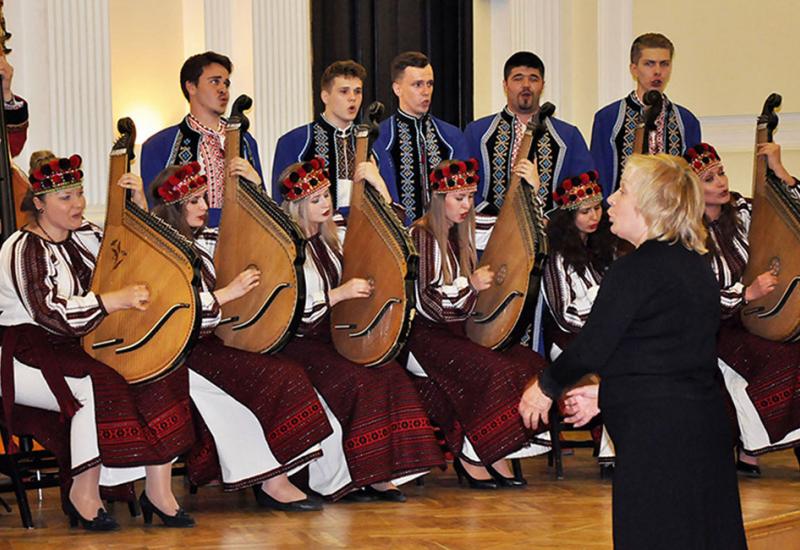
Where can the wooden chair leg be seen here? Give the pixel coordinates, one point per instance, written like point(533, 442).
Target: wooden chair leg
point(16, 478)
point(516, 466)
point(20, 494)
point(555, 440)
point(192, 489)
point(133, 508)
point(421, 481)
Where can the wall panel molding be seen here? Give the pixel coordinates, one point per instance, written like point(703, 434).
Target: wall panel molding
point(736, 133)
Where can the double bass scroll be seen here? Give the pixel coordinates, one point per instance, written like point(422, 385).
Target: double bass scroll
point(255, 232)
point(370, 331)
point(774, 239)
point(139, 248)
point(516, 253)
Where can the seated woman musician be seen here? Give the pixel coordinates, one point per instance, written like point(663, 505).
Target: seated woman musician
point(386, 437)
point(581, 248)
point(471, 392)
point(259, 416)
point(761, 376)
point(45, 275)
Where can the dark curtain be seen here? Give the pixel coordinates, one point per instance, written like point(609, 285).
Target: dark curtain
point(372, 32)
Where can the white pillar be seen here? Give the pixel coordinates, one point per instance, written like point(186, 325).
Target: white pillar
point(282, 59)
point(614, 37)
point(79, 71)
point(535, 25)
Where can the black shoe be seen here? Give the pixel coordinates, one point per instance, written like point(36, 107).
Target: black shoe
point(101, 522)
point(180, 519)
point(607, 470)
point(389, 495)
point(308, 504)
point(749, 470)
point(797, 454)
point(506, 482)
point(471, 481)
point(359, 495)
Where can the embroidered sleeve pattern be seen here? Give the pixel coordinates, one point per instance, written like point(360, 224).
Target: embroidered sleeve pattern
point(40, 274)
point(569, 296)
point(436, 300)
point(211, 313)
point(729, 259)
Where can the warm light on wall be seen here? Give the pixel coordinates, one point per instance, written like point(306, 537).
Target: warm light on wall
point(147, 118)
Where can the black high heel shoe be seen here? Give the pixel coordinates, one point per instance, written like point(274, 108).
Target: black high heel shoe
point(308, 504)
point(389, 495)
point(607, 470)
point(471, 481)
point(506, 482)
point(180, 519)
point(101, 522)
point(749, 470)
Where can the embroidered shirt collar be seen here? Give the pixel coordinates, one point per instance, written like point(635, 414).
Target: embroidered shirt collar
point(201, 128)
point(420, 119)
point(510, 115)
point(339, 132)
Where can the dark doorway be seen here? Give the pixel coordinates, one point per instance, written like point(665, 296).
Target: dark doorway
point(372, 32)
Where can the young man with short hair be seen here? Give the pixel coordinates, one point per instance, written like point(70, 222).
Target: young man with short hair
point(412, 141)
point(331, 136)
point(615, 124)
point(200, 136)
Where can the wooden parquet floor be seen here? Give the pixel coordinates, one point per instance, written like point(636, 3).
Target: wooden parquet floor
point(573, 513)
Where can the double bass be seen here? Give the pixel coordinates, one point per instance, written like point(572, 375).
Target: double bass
point(774, 239)
point(516, 253)
point(139, 248)
point(371, 331)
point(255, 232)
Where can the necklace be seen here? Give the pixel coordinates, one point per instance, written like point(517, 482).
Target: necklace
point(52, 240)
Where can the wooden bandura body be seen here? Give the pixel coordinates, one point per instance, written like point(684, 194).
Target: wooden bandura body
point(139, 248)
point(20, 185)
point(774, 244)
point(255, 232)
point(13, 181)
point(371, 331)
point(516, 253)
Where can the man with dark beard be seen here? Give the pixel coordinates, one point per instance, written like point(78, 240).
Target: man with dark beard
point(494, 139)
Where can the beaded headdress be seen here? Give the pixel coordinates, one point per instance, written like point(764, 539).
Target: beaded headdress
point(57, 175)
point(457, 176)
point(183, 184)
point(578, 192)
point(305, 179)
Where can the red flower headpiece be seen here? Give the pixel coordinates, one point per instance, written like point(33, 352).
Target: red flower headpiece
point(702, 157)
point(183, 184)
point(306, 179)
point(457, 176)
point(57, 175)
point(578, 192)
